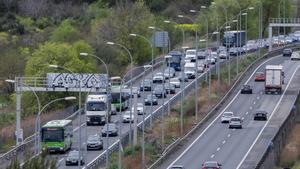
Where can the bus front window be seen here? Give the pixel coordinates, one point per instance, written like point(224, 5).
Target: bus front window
point(52, 135)
point(96, 106)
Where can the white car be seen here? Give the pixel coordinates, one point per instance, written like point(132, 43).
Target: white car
point(226, 116)
point(190, 54)
point(127, 118)
point(175, 81)
point(200, 68)
point(295, 56)
point(235, 122)
point(139, 108)
point(159, 78)
point(211, 60)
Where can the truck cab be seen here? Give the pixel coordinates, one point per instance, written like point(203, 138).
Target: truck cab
point(98, 108)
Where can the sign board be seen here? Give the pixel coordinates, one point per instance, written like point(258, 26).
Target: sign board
point(68, 80)
point(160, 39)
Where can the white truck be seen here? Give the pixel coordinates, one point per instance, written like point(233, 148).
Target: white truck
point(274, 79)
point(190, 70)
point(98, 108)
point(190, 55)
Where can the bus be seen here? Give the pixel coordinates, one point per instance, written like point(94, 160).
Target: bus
point(175, 61)
point(115, 83)
point(56, 135)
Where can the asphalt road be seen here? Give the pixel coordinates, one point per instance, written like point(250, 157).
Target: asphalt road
point(116, 119)
point(216, 142)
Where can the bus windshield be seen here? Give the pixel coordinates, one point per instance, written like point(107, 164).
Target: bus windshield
point(52, 135)
point(116, 97)
point(96, 106)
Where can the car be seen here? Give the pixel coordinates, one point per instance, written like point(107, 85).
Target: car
point(190, 55)
point(221, 49)
point(109, 129)
point(260, 115)
point(211, 60)
point(200, 68)
point(135, 89)
point(159, 78)
point(260, 76)
point(214, 55)
point(223, 55)
point(139, 108)
point(177, 167)
point(287, 52)
point(211, 165)
point(150, 99)
point(159, 91)
point(184, 76)
point(94, 142)
point(295, 56)
point(235, 122)
point(201, 55)
point(226, 116)
point(146, 85)
point(128, 116)
point(73, 158)
point(170, 88)
point(233, 51)
point(113, 110)
point(246, 89)
point(175, 81)
point(169, 73)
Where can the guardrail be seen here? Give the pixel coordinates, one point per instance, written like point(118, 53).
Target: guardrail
point(284, 20)
point(26, 145)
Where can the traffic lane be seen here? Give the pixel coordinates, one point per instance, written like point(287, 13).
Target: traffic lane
point(213, 139)
point(243, 138)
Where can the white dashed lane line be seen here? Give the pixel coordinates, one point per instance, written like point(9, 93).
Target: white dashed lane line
point(247, 113)
point(212, 156)
point(228, 135)
point(224, 141)
point(218, 149)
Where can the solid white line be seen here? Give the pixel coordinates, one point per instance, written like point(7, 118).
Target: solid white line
point(218, 115)
point(245, 156)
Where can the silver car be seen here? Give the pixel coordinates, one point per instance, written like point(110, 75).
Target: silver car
point(139, 108)
point(175, 81)
point(128, 117)
point(235, 122)
point(226, 116)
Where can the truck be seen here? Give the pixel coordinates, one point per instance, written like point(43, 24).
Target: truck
point(190, 70)
point(234, 39)
point(274, 79)
point(98, 109)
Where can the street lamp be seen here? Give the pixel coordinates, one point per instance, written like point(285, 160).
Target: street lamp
point(107, 91)
point(152, 71)
point(36, 137)
point(182, 30)
point(146, 67)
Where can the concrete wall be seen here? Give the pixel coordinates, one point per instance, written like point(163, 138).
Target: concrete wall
point(272, 156)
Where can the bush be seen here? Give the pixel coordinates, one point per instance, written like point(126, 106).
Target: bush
point(42, 23)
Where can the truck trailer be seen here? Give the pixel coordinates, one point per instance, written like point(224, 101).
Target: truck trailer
point(274, 79)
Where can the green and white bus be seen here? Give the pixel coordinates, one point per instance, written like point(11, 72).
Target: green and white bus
point(115, 83)
point(57, 135)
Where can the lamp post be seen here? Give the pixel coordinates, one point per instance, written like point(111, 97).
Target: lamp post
point(107, 91)
point(143, 126)
point(79, 105)
point(246, 24)
point(152, 71)
point(36, 137)
point(182, 30)
point(131, 67)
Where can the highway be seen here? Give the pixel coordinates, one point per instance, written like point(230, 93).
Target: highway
point(125, 126)
point(215, 142)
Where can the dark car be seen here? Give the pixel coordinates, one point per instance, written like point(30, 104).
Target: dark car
point(94, 142)
point(170, 88)
point(246, 89)
point(177, 167)
point(185, 77)
point(146, 85)
point(211, 165)
point(110, 129)
point(159, 91)
point(73, 158)
point(233, 51)
point(287, 52)
point(150, 99)
point(260, 115)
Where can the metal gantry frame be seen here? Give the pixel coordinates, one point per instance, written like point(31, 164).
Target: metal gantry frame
point(281, 22)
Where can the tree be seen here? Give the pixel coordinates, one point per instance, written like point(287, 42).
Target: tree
point(66, 32)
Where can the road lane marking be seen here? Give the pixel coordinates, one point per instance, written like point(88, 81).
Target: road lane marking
point(233, 129)
point(247, 113)
point(224, 141)
point(218, 149)
point(274, 110)
point(228, 135)
point(257, 97)
point(212, 156)
point(250, 107)
point(188, 148)
point(254, 102)
point(243, 118)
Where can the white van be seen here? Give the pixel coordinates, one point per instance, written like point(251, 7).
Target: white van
point(190, 70)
